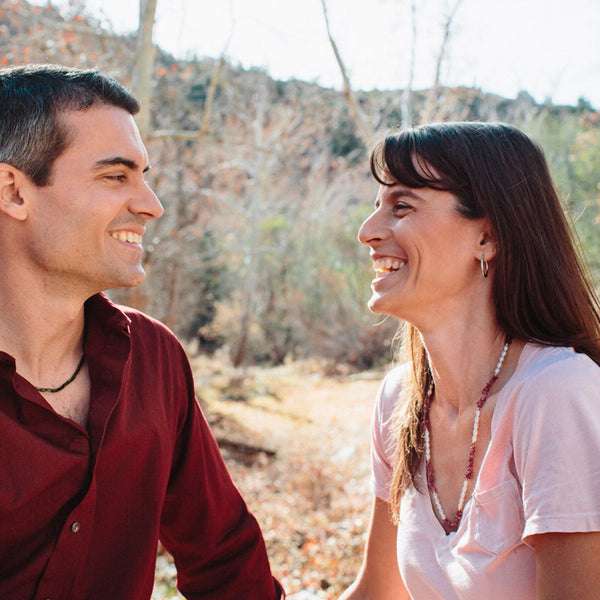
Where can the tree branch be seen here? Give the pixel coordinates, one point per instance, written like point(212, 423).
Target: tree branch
point(444, 45)
point(355, 112)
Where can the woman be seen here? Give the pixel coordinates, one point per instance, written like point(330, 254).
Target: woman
point(486, 443)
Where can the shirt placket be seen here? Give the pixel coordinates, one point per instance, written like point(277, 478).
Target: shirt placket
point(70, 552)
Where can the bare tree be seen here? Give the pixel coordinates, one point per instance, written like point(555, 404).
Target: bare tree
point(216, 77)
point(143, 77)
point(446, 34)
point(432, 100)
point(250, 278)
point(205, 123)
point(144, 63)
point(356, 114)
point(406, 107)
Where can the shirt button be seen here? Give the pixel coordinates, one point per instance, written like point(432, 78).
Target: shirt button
point(75, 526)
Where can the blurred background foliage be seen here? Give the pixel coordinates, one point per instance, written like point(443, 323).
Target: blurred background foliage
point(266, 182)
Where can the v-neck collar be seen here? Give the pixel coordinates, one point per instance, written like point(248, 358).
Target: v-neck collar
point(446, 539)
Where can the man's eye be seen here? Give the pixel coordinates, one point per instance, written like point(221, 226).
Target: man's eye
point(115, 177)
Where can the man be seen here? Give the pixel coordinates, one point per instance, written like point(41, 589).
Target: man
point(103, 448)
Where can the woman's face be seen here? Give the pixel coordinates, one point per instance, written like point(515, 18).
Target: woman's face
point(425, 254)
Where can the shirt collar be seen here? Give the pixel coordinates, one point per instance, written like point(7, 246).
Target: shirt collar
point(100, 313)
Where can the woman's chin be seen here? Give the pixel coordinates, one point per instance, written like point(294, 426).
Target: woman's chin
point(376, 305)
point(383, 306)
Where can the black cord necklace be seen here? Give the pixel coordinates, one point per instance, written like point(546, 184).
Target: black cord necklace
point(67, 382)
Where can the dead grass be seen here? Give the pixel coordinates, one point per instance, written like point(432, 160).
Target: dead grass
point(312, 498)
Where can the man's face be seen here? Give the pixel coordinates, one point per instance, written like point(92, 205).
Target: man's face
point(85, 228)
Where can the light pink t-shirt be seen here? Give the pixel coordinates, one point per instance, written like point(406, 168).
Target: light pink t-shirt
point(541, 473)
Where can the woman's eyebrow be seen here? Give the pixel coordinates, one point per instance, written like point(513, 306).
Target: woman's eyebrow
point(403, 192)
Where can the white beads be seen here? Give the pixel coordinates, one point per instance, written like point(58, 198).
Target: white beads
point(453, 525)
point(463, 495)
point(502, 357)
point(476, 426)
point(438, 505)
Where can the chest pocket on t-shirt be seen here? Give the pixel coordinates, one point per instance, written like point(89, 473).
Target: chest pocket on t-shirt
point(497, 517)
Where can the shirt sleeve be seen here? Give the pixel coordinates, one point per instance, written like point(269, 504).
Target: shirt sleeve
point(557, 448)
point(215, 541)
point(383, 442)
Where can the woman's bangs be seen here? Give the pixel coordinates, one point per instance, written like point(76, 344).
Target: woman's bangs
point(396, 160)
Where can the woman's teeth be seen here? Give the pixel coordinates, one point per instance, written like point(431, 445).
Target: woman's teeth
point(387, 265)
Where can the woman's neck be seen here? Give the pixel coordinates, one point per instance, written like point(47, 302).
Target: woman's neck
point(463, 363)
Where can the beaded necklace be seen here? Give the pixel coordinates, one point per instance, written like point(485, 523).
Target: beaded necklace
point(71, 379)
point(450, 526)
point(62, 386)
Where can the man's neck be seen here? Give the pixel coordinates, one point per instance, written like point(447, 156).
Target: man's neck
point(43, 333)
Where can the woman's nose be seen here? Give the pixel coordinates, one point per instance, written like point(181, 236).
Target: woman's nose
point(371, 230)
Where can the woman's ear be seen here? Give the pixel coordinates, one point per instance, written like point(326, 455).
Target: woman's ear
point(486, 243)
point(11, 200)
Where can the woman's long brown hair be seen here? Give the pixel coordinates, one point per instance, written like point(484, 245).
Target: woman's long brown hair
point(542, 290)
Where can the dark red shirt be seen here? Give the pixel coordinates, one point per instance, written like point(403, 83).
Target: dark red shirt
point(82, 510)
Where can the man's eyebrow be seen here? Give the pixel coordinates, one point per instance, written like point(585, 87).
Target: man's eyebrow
point(118, 160)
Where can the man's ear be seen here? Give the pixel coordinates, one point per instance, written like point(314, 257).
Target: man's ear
point(486, 243)
point(12, 181)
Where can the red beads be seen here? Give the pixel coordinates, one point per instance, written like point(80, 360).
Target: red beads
point(450, 526)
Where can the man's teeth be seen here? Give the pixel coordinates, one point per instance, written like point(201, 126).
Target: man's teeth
point(388, 264)
point(127, 236)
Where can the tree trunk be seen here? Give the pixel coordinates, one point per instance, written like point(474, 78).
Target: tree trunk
point(142, 79)
point(144, 64)
point(406, 107)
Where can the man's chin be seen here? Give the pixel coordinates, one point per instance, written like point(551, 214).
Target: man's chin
point(129, 282)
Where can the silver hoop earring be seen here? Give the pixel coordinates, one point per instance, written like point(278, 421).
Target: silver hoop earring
point(485, 267)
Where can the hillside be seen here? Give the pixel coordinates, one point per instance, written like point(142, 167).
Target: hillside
point(257, 250)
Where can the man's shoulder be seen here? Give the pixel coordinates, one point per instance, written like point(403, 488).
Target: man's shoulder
point(132, 320)
point(141, 319)
point(144, 325)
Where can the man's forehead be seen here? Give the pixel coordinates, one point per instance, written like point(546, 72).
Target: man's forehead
point(110, 119)
point(109, 131)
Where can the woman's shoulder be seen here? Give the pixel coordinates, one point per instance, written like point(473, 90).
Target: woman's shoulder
point(390, 391)
point(553, 421)
point(551, 365)
point(394, 380)
point(396, 377)
point(549, 376)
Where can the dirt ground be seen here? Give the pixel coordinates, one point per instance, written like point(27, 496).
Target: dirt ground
point(297, 445)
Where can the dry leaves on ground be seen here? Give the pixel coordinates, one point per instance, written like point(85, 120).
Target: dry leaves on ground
point(297, 446)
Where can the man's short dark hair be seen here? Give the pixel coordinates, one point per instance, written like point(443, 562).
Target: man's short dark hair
point(32, 98)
